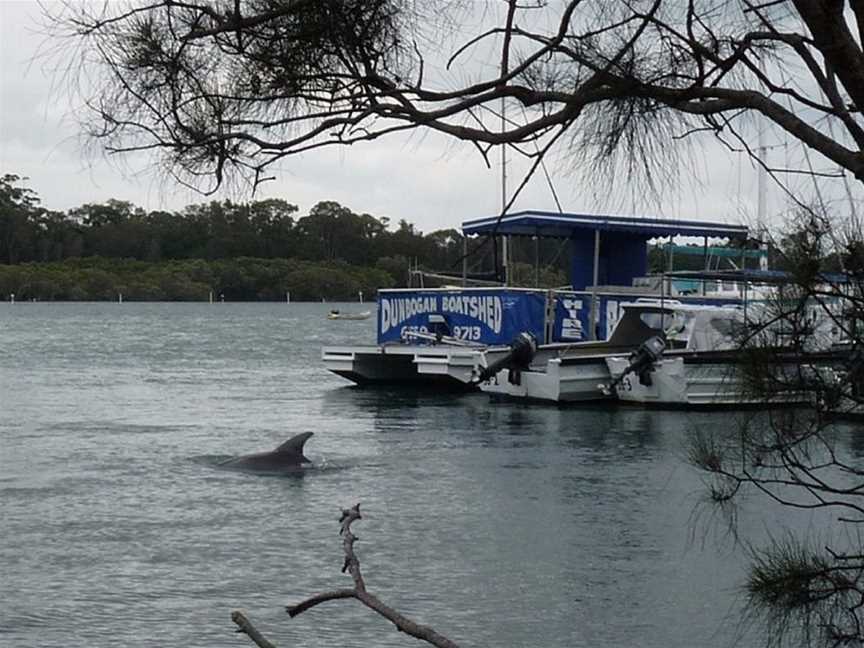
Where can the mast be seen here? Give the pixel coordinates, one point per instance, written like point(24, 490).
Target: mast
point(762, 192)
point(505, 240)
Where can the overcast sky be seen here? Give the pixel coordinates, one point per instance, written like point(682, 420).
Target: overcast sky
point(424, 178)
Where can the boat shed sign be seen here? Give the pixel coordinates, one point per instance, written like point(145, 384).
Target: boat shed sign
point(494, 316)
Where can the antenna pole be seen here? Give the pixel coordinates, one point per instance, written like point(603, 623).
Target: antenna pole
point(762, 191)
point(505, 240)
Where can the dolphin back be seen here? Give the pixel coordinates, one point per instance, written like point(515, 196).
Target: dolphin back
point(294, 447)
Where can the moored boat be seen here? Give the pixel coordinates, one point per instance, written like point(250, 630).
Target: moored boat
point(339, 315)
point(702, 361)
point(572, 372)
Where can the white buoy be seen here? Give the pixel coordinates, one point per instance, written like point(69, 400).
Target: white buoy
point(12, 298)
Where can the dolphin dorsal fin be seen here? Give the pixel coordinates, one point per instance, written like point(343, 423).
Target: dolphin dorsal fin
point(295, 443)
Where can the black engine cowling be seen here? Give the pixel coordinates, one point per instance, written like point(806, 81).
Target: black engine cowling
point(522, 351)
point(641, 362)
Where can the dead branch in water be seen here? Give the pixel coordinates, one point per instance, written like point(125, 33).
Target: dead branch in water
point(359, 592)
point(245, 626)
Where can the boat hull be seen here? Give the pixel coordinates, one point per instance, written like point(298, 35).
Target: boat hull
point(558, 380)
point(415, 365)
point(349, 316)
point(696, 380)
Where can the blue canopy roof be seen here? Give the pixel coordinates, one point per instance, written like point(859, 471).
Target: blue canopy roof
point(554, 224)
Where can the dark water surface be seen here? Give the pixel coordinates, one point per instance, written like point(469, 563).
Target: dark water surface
point(498, 524)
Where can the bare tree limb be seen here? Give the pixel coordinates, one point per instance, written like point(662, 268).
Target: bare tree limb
point(245, 626)
point(352, 565)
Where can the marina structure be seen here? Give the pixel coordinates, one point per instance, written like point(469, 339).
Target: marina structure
point(449, 335)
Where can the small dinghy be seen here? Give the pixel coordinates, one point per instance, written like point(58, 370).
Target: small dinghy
point(338, 315)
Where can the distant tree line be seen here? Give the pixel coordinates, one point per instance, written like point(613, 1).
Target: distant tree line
point(244, 251)
point(264, 229)
point(240, 279)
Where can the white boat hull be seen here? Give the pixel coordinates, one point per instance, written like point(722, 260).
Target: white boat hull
point(682, 381)
point(556, 381)
point(349, 316)
point(404, 363)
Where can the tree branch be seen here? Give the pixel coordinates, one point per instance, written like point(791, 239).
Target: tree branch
point(245, 626)
point(352, 565)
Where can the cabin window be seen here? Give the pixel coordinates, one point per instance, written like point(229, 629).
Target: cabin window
point(670, 323)
point(657, 321)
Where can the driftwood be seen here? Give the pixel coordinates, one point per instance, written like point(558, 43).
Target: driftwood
point(245, 626)
point(359, 592)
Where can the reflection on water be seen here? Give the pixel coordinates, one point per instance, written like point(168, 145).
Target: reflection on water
point(497, 523)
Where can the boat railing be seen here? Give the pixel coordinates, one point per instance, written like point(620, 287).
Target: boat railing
point(439, 339)
point(658, 301)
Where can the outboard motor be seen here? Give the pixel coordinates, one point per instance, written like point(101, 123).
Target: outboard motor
point(522, 351)
point(641, 363)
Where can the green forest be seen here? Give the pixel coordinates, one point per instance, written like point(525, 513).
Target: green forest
point(260, 250)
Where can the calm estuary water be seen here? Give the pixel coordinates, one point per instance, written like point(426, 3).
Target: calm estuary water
point(498, 524)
